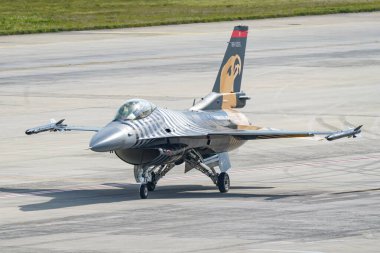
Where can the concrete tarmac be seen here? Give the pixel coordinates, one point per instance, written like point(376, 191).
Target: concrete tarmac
point(294, 195)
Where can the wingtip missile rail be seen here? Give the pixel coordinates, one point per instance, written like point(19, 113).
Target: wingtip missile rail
point(346, 133)
point(52, 127)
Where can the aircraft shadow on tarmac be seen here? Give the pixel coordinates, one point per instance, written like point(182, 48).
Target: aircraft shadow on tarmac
point(80, 197)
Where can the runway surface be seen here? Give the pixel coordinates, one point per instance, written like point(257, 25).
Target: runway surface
point(303, 73)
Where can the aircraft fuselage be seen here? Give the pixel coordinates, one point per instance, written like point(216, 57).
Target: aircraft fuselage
point(136, 142)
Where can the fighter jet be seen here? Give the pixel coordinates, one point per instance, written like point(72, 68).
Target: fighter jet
point(155, 140)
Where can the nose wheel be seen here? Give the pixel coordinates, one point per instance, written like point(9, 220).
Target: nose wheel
point(223, 182)
point(149, 177)
point(146, 188)
point(143, 191)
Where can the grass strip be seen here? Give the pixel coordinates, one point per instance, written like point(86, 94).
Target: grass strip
point(26, 16)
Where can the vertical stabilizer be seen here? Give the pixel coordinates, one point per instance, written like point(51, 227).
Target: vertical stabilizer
point(226, 93)
point(231, 71)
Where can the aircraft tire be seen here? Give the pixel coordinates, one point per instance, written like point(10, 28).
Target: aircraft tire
point(151, 186)
point(223, 182)
point(143, 191)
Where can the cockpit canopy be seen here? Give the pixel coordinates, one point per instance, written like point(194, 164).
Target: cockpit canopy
point(135, 109)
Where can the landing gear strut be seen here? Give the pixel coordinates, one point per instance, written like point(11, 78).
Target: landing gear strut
point(194, 160)
point(151, 186)
point(152, 183)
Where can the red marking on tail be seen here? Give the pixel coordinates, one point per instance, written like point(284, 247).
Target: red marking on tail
point(239, 34)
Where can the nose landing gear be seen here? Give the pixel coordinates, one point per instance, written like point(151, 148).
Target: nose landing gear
point(149, 176)
point(146, 188)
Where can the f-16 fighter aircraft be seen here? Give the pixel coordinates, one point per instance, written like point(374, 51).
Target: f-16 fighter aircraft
point(155, 140)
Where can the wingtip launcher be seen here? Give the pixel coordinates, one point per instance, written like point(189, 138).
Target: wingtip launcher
point(346, 133)
point(56, 126)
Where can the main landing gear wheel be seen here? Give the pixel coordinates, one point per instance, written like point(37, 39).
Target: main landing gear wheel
point(151, 186)
point(143, 191)
point(223, 182)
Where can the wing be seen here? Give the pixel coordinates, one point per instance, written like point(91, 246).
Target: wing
point(268, 134)
point(59, 126)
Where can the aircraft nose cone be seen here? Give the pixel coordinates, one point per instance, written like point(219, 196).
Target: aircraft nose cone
point(113, 137)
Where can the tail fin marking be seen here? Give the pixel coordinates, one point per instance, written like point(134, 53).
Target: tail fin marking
point(231, 71)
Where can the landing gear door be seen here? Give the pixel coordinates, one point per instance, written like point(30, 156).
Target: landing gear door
point(224, 162)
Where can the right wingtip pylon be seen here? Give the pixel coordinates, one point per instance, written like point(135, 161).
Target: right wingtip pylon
point(346, 133)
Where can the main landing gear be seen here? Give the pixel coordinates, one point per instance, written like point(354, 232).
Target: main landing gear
point(149, 176)
point(195, 161)
point(223, 182)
